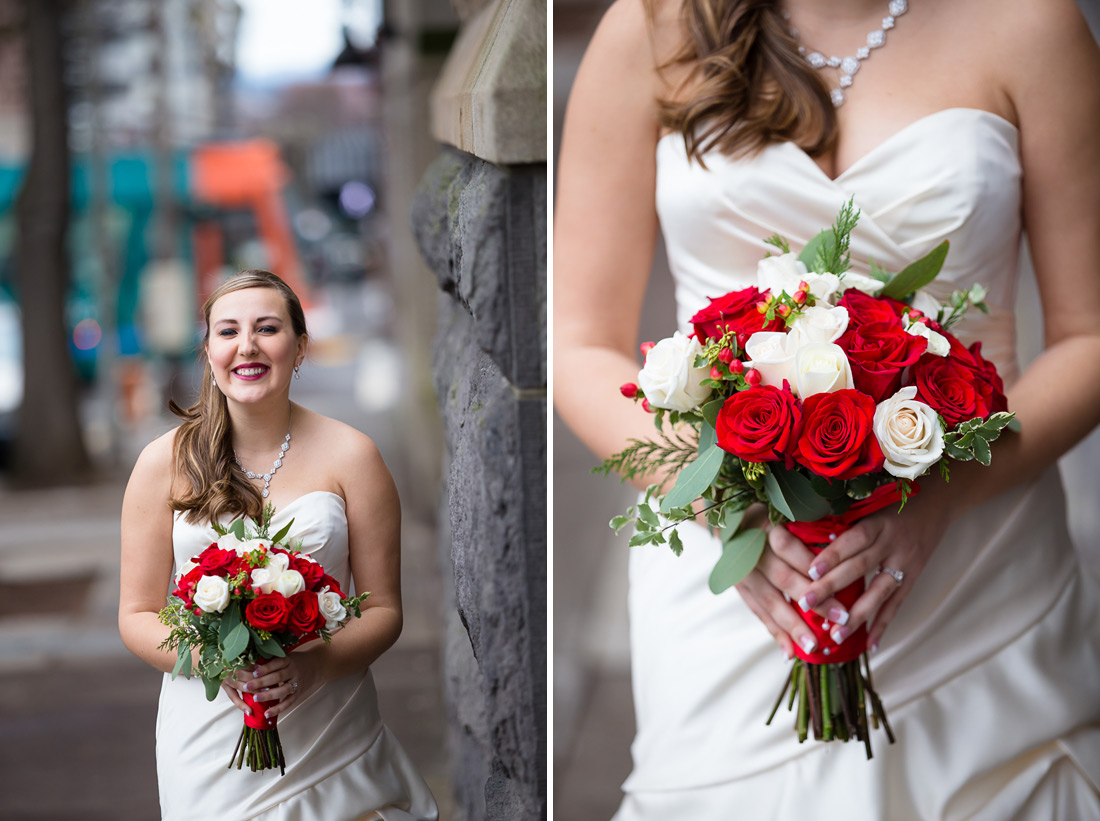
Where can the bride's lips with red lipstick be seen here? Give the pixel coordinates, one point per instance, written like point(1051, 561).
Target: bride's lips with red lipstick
point(250, 371)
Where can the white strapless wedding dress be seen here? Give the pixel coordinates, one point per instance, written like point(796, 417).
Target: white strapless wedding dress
point(343, 763)
point(991, 670)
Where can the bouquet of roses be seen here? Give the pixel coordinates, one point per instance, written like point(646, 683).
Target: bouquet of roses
point(246, 599)
point(823, 394)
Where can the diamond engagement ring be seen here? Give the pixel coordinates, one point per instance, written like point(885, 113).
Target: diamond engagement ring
point(294, 684)
point(897, 575)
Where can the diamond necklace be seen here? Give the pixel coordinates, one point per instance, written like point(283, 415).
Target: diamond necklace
point(283, 448)
point(850, 65)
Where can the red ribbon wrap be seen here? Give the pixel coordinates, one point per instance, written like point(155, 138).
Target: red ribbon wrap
point(256, 719)
point(817, 536)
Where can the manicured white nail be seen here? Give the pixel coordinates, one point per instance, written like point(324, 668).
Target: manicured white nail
point(803, 604)
point(817, 571)
point(874, 647)
point(808, 644)
point(838, 616)
point(840, 634)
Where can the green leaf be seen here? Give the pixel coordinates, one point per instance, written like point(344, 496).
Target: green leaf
point(698, 475)
point(824, 243)
point(646, 516)
point(183, 662)
point(231, 617)
point(618, 523)
point(675, 543)
point(271, 649)
point(212, 687)
point(957, 453)
point(710, 411)
point(278, 537)
point(236, 643)
point(732, 522)
point(237, 529)
point(1014, 425)
point(793, 495)
point(982, 452)
point(739, 556)
point(918, 274)
point(826, 489)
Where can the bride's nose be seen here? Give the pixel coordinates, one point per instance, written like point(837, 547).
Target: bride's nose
point(246, 342)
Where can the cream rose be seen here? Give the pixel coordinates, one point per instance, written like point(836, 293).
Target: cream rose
point(817, 324)
point(277, 563)
point(331, 608)
point(821, 367)
point(937, 343)
point(927, 304)
point(767, 352)
point(230, 542)
point(187, 567)
point(263, 579)
point(289, 582)
point(212, 594)
point(780, 273)
point(909, 434)
point(869, 285)
point(669, 377)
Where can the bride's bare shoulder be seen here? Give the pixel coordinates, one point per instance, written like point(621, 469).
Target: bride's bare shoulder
point(639, 36)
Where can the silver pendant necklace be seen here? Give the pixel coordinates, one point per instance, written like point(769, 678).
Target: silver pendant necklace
point(848, 66)
point(283, 448)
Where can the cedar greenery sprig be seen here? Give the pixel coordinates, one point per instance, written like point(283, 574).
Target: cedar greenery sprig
point(674, 451)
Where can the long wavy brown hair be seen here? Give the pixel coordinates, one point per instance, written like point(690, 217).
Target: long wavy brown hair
point(747, 86)
point(211, 484)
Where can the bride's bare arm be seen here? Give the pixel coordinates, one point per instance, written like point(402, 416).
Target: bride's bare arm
point(604, 235)
point(1057, 399)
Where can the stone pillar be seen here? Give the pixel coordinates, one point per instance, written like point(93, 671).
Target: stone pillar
point(480, 220)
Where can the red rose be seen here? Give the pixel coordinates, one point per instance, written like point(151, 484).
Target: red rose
point(864, 309)
point(331, 584)
point(838, 438)
point(216, 562)
point(241, 563)
point(960, 386)
point(268, 611)
point(312, 572)
point(878, 352)
point(760, 424)
point(305, 614)
point(185, 590)
point(736, 311)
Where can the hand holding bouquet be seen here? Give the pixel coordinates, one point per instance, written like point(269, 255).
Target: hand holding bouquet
point(825, 395)
point(246, 599)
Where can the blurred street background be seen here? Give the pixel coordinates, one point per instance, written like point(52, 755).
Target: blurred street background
point(194, 138)
point(593, 709)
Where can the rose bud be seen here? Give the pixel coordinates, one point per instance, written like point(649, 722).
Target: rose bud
point(725, 355)
point(783, 310)
point(752, 376)
point(646, 347)
point(645, 406)
point(629, 390)
point(737, 366)
point(799, 296)
point(715, 373)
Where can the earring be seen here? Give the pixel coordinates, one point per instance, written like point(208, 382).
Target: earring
point(212, 379)
point(297, 371)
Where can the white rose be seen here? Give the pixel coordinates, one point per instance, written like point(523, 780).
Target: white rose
point(767, 352)
point(927, 304)
point(669, 377)
point(331, 608)
point(230, 542)
point(263, 579)
point(823, 286)
point(937, 343)
point(822, 367)
point(869, 285)
point(289, 582)
point(277, 563)
point(212, 594)
point(909, 433)
point(781, 273)
point(817, 324)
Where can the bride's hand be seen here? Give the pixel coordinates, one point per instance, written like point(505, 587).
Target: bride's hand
point(278, 684)
point(781, 572)
point(902, 542)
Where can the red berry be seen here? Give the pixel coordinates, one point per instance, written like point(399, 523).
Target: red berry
point(752, 376)
point(799, 296)
point(783, 310)
point(762, 307)
point(802, 286)
point(645, 406)
point(737, 366)
point(629, 390)
point(725, 355)
point(646, 347)
point(715, 373)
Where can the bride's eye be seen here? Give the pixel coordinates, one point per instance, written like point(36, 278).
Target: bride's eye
point(227, 332)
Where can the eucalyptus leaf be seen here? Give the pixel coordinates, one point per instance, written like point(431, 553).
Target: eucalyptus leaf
point(792, 495)
point(237, 529)
point(278, 537)
point(731, 523)
point(823, 244)
point(698, 474)
point(739, 556)
point(183, 659)
point(236, 643)
point(916, 275)
point(826, 489)
point(270, 648)
point(212, 687)
point(710, 411)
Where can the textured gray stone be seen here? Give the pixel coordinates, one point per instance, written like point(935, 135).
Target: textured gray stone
point(482, 229)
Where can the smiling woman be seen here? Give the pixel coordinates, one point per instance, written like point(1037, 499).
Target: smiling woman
point(346, 516)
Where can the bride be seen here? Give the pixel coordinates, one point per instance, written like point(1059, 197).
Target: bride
point(342, 761)
point(721, 122)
